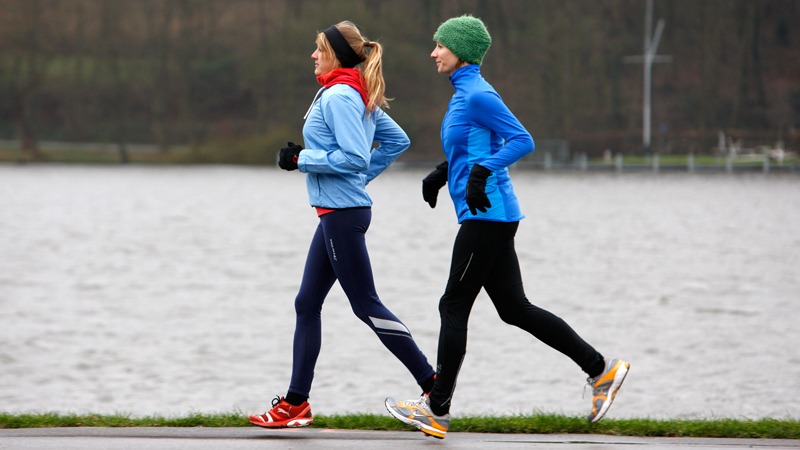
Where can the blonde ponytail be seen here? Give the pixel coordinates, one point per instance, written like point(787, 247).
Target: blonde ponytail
point(373, 74)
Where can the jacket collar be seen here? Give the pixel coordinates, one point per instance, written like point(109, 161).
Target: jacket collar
point(462, 76)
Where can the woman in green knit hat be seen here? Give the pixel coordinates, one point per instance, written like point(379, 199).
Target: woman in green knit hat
point(481, 138)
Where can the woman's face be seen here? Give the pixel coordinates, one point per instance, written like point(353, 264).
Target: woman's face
point(323, 63)
point(446, 61)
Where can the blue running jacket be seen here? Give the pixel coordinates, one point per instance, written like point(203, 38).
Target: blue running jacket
point(480, 129)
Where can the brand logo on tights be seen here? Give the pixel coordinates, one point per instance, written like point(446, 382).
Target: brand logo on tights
point(333, 251)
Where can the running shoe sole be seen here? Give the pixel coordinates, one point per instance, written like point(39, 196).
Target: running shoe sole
point(293, 423)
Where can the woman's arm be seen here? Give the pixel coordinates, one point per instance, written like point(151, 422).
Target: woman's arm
point(344, 115)
point(487, 109)
point(392, 142)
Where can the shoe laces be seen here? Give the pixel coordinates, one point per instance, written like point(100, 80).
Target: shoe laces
point(589, 383)
point(423, 401)
point(275, 402)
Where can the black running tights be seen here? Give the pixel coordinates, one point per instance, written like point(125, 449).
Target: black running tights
point(484, 257)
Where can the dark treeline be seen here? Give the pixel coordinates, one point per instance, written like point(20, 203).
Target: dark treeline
point(191, 72)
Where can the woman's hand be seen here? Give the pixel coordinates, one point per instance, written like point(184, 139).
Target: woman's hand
point(476, 189)
point(289, 155)
point(433, 182)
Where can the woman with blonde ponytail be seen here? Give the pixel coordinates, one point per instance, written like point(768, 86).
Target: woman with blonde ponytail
point(345, 118)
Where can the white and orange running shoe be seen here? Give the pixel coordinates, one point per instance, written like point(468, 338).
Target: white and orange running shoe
point(418, 413)
point(284, 415)
point(605, 387)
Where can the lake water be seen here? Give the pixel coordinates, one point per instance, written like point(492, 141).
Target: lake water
point(169, 290)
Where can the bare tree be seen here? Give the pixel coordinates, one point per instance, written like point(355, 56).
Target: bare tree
point(159, 18)
point(27, 72)
point(112, 33)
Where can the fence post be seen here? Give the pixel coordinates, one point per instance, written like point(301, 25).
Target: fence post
point(766, 162)
point(583, 162)
point(656, 163)
point(548, 161)
point(618, 162)
point(729, 163)
point(690, 162)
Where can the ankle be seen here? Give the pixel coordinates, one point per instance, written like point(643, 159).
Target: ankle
point(294, 399)
point(439, 411)
point(597, 368)
point(427, 385)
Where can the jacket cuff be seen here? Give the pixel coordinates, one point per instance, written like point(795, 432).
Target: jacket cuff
point(301, 162)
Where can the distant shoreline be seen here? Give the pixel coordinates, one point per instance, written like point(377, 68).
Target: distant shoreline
point(105, 157)
point(112, 153)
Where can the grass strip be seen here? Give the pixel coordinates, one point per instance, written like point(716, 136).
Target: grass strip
point(530, 424)
point(54, 420)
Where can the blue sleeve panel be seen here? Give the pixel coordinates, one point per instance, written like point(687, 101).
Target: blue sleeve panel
point(338, 158)
point(480, 129)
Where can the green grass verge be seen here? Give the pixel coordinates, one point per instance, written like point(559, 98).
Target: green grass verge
point(530, 424)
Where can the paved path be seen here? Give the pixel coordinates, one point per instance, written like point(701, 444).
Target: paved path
point(311, 438)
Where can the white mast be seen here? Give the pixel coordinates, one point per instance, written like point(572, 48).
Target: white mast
point(649, 57)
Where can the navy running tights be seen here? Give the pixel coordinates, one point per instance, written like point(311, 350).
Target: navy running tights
point(339, 252)
point(484, 257)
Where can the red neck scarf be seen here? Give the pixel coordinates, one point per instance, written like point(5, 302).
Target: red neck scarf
point(350, 77)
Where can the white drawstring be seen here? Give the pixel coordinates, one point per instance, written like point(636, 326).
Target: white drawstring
point(319, 92)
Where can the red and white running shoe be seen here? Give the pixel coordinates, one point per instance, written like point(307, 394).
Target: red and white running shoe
point(284, 415)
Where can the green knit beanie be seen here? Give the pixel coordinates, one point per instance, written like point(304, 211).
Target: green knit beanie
point(465, 36)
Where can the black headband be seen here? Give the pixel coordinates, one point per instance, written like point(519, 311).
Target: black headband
point(344, 52)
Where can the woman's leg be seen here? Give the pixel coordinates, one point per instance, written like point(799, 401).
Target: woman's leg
point(318, 277)
point(344, 232)
point(474, 255)
point(504, 286)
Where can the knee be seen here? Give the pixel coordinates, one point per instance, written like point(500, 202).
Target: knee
point(303, 307)
point(454, 319)
point(508, 316)
point(457, 302)
point(362, 316)
point(367, 315)
point(518, 312)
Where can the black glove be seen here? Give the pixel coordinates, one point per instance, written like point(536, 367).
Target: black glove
point(476, 189)
point(289, 155)
point(433, 182)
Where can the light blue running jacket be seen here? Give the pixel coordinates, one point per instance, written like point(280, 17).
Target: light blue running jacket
point(338, 136)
